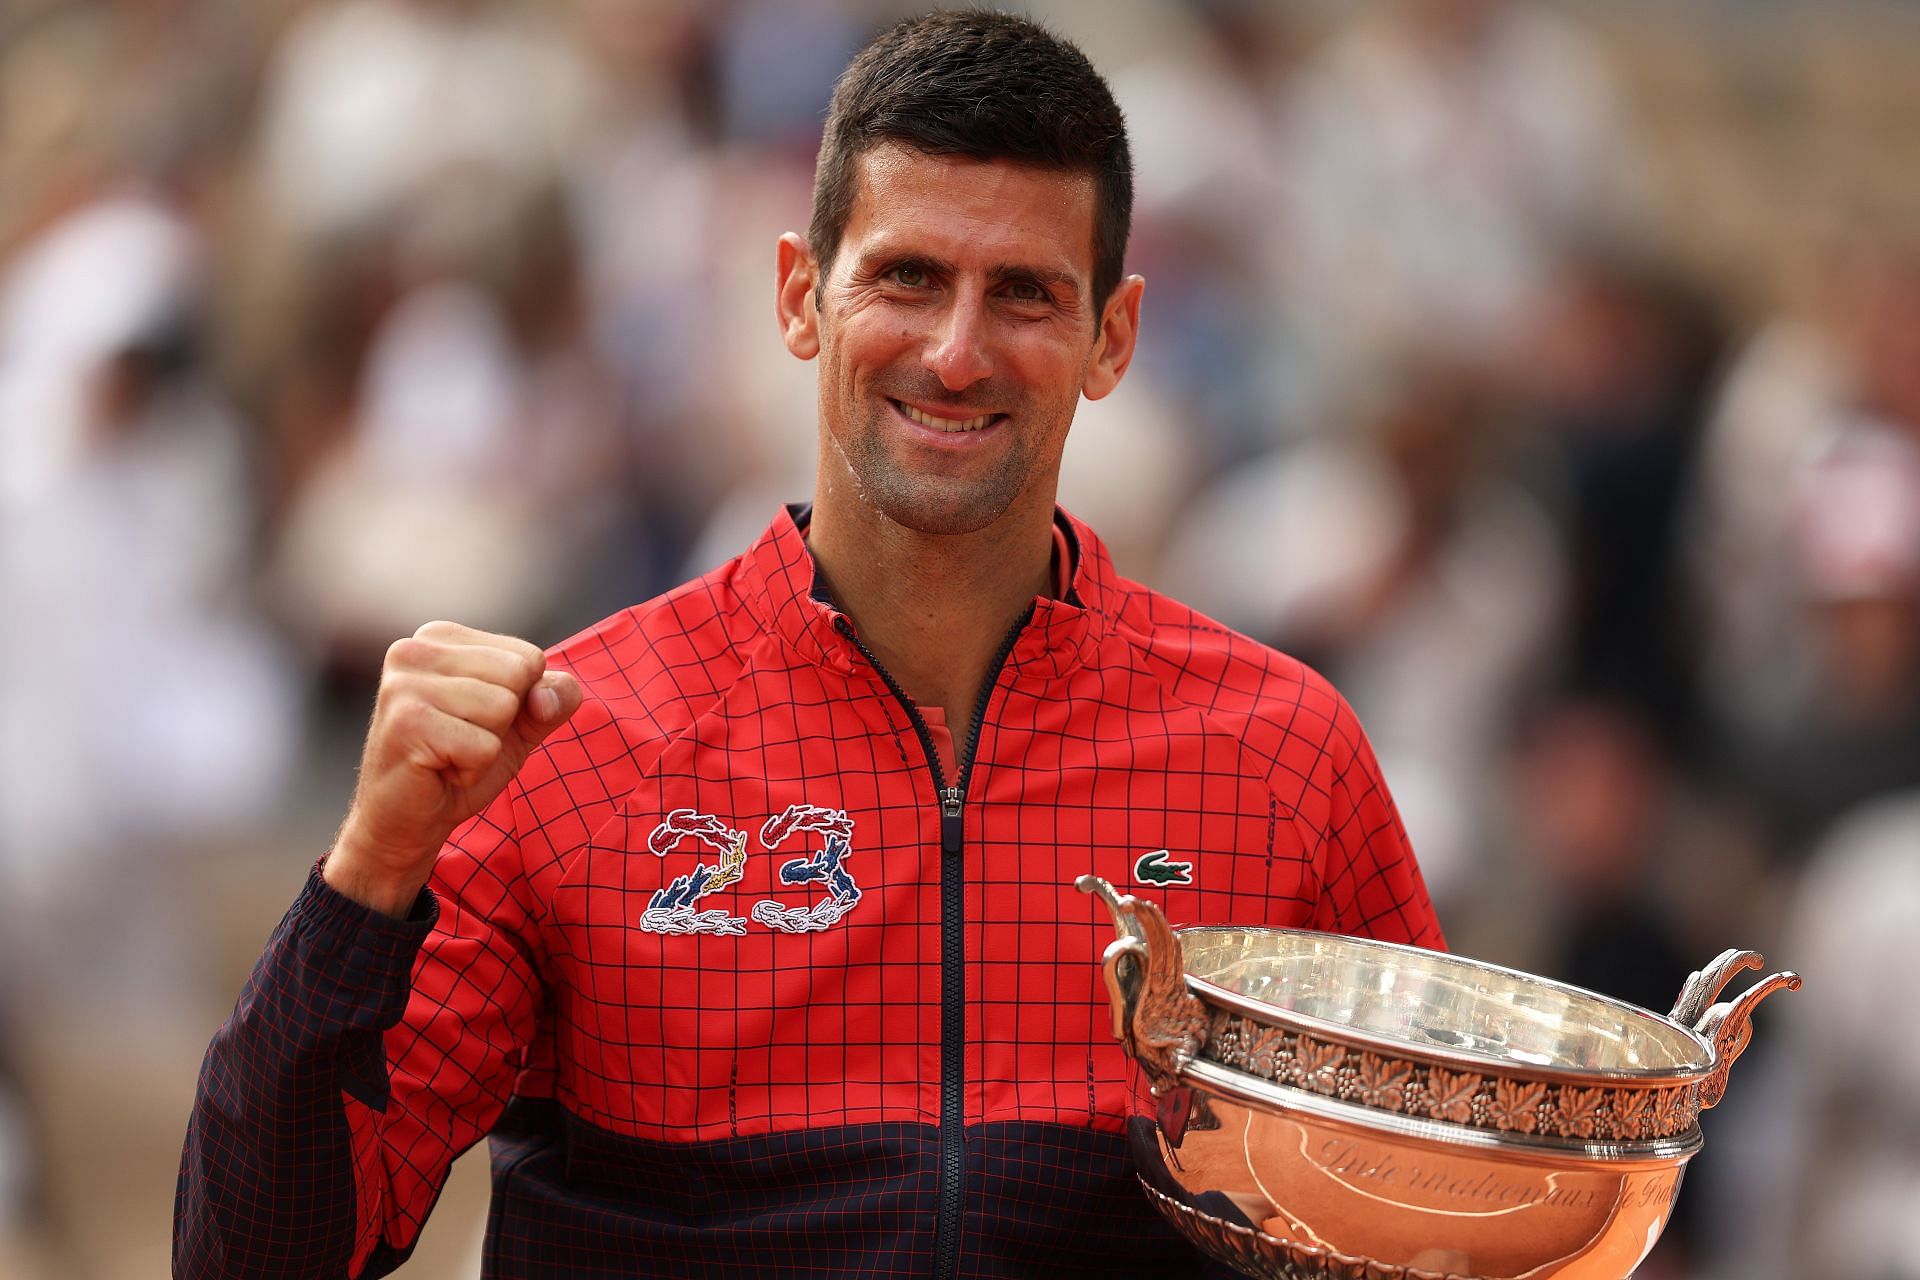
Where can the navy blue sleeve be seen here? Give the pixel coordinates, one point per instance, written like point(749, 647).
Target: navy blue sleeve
point(266, 1183)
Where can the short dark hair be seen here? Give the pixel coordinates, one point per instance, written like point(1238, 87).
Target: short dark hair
point(986, 85)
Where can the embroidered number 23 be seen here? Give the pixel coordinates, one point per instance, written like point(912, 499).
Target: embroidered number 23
point(672, 908)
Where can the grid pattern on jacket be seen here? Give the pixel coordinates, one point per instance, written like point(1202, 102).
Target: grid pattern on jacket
point(1122, 724)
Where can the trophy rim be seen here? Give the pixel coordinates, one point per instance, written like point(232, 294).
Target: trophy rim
point(1209, 1077)
point(1273, 1015)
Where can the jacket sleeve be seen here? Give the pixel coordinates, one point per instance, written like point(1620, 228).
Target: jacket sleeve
point(1371, 882)
point(365, 1054)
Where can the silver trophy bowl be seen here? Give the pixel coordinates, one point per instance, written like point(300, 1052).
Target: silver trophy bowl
point(1319, 1107)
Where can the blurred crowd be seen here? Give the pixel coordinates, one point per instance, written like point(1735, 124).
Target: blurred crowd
point(320, 320)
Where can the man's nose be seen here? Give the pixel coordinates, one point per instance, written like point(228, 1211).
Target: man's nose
point(957, 350)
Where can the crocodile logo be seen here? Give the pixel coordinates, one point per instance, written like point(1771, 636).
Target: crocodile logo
point(1154, 868)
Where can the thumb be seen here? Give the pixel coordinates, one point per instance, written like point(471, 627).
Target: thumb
point(550, 703)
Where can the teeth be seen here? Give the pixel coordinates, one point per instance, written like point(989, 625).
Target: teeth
point(946, 424)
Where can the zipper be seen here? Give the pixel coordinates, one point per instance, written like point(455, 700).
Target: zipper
point(953, 955)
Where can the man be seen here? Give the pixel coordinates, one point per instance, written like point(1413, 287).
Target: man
point(743, 922)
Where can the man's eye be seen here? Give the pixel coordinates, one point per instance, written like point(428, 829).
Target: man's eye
point(1026, 291)
point(911, 277)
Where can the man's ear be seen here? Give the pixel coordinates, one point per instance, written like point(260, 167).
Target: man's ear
point(798, 276)
point(1113, 348)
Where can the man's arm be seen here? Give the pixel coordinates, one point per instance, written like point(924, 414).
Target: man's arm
point(378, 1036)
point(267, 1180)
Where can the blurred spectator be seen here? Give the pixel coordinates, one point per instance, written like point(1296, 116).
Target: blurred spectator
point(1212, 137)
point(1780, 395)
point(481, 462)
point(125, 521)
point(369, 103)
point(645, 195)
point(650, 196)
point(1835, 1140)
point(1597, 815)
point(90, 93)
point(1809, 565)
point(1426, 584)
point(1620, 361)
point(1446, 150)
point(1844, 364)
point(1854, 728)
point(148, 711)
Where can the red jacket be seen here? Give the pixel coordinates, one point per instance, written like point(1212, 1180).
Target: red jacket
point(740, 982)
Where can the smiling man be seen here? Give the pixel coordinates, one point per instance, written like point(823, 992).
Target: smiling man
point(954, 315)
point(743, 922)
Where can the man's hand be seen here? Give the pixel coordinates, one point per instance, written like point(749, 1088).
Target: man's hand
point(458, 713)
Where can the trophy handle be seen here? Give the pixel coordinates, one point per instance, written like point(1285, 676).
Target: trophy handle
point(1728, 1026)
point(1703, 986)
point(1156, 1020)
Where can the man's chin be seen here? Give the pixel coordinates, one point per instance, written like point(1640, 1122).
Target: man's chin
point(944, 513)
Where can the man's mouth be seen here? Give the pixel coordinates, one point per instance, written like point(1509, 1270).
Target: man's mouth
point(953, 425)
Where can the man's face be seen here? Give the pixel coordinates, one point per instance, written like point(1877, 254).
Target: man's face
point(956, 334)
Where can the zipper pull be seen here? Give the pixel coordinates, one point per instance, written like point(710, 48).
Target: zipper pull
point(951, 801)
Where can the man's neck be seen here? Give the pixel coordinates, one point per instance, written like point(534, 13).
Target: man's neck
point(933, 608)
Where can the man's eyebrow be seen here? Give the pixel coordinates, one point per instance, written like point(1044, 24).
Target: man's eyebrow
point(886, 259)
point(1003, 271)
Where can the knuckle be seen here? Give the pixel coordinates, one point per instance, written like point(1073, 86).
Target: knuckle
point(524, 663)
point(395, 682)
point(408, 712)
point(438, 629)
point(502, 668)
point(404, 653)
point(500, 705)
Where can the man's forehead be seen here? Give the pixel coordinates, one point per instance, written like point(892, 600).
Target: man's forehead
point(994, 207)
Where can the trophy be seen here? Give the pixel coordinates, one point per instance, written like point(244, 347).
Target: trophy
point(1317, 1107)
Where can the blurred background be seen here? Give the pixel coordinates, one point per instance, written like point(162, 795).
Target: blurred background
point(1547, 374)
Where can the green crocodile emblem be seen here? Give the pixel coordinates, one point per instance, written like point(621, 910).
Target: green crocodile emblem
point(1153, 868)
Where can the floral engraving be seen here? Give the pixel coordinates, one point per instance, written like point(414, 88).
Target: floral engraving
point(1269, 1052)
point(1632, 1114)
point(1670, 1112)
point(1320, 1065)
point(1450, 1095)
point(1579, 1111)
point(1373, 1079)
point(1516, 1104)
point(1383, 1082)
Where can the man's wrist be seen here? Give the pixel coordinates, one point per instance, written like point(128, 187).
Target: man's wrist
point(382, 891)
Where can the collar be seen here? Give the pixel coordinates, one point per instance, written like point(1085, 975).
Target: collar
point(780, 584)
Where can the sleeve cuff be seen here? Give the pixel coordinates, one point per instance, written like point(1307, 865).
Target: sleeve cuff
point(354, 954)
point(331, 911)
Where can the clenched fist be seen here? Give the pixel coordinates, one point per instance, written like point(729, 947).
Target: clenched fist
point(458, 713)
